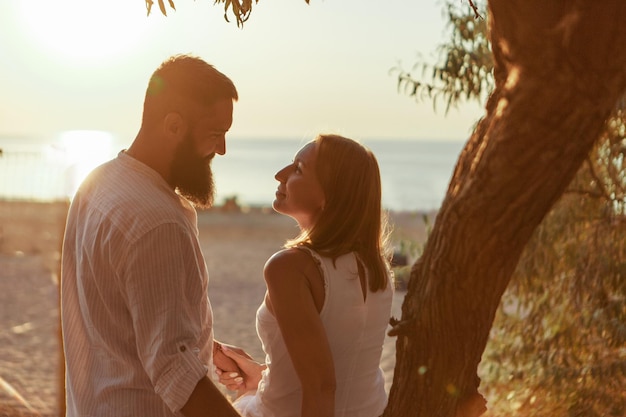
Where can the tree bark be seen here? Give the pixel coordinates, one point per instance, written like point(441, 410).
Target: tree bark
point(560, 67)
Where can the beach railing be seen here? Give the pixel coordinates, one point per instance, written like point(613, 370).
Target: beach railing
point(34, 174)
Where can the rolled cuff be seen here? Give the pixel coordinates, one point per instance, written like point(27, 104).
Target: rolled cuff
point(178, 382)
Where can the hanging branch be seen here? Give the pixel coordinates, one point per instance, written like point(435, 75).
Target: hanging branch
point(475, 9)
point(241, 9)
point(149, 4)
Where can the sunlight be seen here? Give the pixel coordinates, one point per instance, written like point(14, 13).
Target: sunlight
point(85, 31)
point(84, 150)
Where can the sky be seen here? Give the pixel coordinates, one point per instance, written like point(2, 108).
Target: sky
point(68, 65)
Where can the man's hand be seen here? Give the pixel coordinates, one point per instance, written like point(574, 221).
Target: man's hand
point(249, 375)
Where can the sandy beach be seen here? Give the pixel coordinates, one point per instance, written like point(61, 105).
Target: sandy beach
point(236, 245)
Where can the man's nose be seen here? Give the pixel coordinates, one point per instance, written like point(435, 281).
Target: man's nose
point(220, 147)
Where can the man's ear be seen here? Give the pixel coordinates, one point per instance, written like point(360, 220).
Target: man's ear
point(174, 126)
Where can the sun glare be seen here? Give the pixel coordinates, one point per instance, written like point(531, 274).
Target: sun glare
point(84, 150)
point(85, 31)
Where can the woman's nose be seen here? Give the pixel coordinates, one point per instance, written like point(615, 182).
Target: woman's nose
point(280, 175)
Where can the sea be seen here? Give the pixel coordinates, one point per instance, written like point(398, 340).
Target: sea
point(415, 173)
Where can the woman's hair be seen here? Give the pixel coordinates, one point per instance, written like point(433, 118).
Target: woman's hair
point(181, 80)
point(352, 218)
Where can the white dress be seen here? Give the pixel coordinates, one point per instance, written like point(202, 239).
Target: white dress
point(356, 331)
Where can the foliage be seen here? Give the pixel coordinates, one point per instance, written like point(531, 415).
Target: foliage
point(558, 343)
point(466, 68)
point(240, 9)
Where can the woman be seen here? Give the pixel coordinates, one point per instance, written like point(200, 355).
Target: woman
point(328, 301)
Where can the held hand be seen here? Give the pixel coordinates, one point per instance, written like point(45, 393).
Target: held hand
point(226, 369)
point(236, 349)
point(250, 375)
point(223, 363)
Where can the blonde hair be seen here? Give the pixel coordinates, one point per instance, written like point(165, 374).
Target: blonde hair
point(352, 218)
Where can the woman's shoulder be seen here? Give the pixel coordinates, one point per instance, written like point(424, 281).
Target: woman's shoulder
point(289, 261)
point(289, 257)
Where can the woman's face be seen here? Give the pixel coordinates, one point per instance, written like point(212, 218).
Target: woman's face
point(299, 193)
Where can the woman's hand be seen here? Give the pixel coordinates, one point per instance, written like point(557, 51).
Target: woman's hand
point(249, 371)
point(226, 368)
point(224, 364)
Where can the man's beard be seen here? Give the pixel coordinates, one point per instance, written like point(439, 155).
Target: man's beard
point(192, 175)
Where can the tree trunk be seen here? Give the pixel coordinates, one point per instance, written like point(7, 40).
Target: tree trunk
point(560, 68)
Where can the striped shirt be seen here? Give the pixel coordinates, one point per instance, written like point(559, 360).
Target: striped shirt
point(137, 322)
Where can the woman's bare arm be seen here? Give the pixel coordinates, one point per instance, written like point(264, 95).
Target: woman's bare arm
point(289, 275)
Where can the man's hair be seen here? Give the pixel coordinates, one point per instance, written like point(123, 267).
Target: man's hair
point(352, 218)
point(182, 80)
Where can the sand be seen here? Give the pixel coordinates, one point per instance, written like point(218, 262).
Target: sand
point(236, 245)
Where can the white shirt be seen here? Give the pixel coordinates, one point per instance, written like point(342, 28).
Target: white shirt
point(137, 322)
point(355, 329)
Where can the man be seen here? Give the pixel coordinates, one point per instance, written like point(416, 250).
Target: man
point(137, 322)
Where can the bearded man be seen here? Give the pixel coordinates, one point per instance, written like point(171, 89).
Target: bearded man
point(136, 317)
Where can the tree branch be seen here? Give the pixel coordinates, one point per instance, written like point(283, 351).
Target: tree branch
point(475, 9)
point(603, 192)
point(241, 9)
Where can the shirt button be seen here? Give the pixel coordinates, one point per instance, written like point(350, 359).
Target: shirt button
point(183, 348)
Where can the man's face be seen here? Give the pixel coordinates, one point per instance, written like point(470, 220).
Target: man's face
point(192, 174)
point(191, 163)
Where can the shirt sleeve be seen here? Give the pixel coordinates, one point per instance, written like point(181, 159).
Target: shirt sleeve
point(165, 282)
